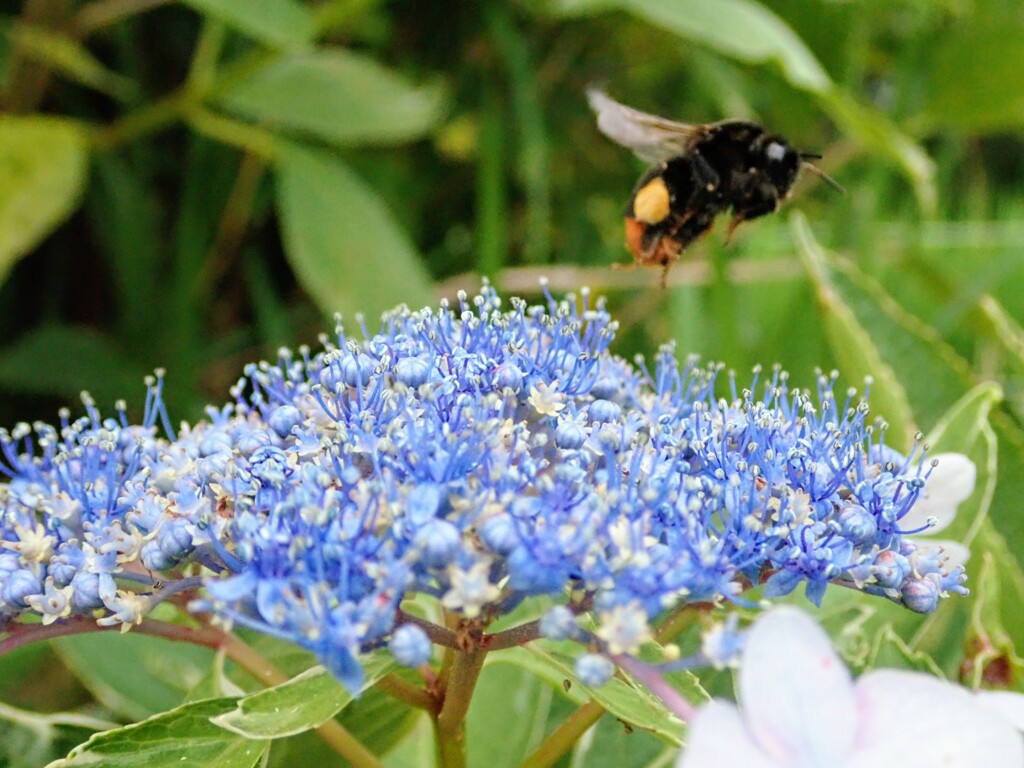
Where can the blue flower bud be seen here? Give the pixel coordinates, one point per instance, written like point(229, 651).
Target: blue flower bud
point(66, 564)
point(410, 646)
point(269, 465)
point(559, 623)
point(606, 388)
point(412, 371)
point(498, 533)
point(356, 370)
point(283, 419)
point(856, 524)
point(172, 544)
point(438, 542)
point(594, 670)
point(604, 411)
point(215, 442)
point(920, 595)
point(569, 435)
point(17, 586)
point(508, 376)
point(890, 569)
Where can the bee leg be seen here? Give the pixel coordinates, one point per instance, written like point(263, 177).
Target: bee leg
point(763, 208)
point(706, 177)
point(736, 220)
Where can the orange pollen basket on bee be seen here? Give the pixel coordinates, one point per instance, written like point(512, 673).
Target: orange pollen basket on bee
point(635, 237)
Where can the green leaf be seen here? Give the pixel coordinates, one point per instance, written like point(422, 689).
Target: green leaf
point(346, 248)
point(377, 719)
point(628, 702)
point(873, 130)
point(182, 736)
point(304, 702)
point(416, 749)
point(30, 739)
point(932, 372)
point(965, 429)
point(61, 360)
point(503, 741)
point(340, 97)
point(278, 23)
point(614, 744)
point(70, 58)
point(741, 29)
point(42, 174)
point(133, 674)
point(961, 426)
point(851, 344)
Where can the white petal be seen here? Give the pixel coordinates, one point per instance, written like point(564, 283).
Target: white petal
point(912, 720)
point(950, 483)
point(955, 552)
point(1008, 704)
point(795, 692)
point(717, 739)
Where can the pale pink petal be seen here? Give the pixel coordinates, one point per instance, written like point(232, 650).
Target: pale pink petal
point(950, 483)
point(718, 739)
point(795, 692)
point(912, 720)
point(1008, 704)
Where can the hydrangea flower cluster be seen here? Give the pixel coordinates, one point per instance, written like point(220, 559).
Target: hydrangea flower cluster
point(471, 453)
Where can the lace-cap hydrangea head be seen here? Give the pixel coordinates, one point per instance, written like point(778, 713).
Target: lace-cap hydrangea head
point(478, 454)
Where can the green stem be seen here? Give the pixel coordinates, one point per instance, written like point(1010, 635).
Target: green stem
point(450, 723)
point(407, 693)
point(676, 622)
point(153, 117)
point(234, 222)
point(103, 13)
point(491, 205)
point(564, 737)
point(203, 70)
point(185, 102)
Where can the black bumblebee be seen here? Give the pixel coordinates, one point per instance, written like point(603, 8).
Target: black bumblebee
point(700, 171)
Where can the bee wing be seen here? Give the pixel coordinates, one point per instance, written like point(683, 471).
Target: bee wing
point(652, 138)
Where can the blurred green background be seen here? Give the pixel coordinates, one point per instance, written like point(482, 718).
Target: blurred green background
point(192, 184)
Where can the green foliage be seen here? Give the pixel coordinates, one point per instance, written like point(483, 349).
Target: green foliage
point(192, 184)
point(303, 702)
point(185, 734)
point(42, 173)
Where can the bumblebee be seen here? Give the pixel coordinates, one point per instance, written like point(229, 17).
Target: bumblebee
point(699, 172)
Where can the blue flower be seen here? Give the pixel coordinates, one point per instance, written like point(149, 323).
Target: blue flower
point(475, 453)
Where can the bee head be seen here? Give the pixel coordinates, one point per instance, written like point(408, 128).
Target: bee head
point(781, 163)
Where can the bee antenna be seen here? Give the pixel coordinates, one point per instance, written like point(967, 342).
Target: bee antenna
point(822, 175)
point(810, 156)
